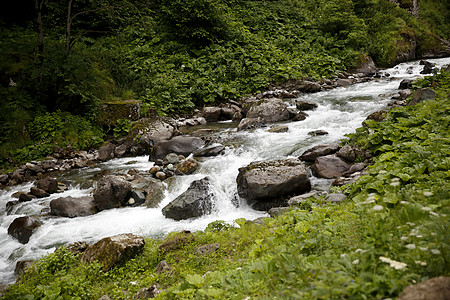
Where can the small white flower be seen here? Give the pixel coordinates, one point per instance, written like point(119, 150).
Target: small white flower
point(425, 208)
point(404, 202)
point(419, 236)
point(395, 179)
point(410, 224)
point(410, 246)
point(433, 233)
point(423, 248)
point(378, 207)
point(428, 194)
point(343, 255)
point(434, 214)
point(355, 262)
point(133, 282)
point(392, 263)
point(435, 251)
point(395, 183)
point(422, 263)
point(382, 172)
point(404, 238)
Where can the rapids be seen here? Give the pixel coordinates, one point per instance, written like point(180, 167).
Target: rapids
point(340, 111)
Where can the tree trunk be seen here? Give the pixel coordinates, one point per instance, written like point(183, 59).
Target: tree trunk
point(40, 27)
point(68, 26)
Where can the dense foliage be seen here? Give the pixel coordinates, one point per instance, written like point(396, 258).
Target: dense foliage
point(175, 55)
point(392, 231)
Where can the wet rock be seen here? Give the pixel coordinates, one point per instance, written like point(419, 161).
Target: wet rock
point(377, 116)
point(4, 178)
point(272, 179)
point(343, 82)
point(317, 132)
point(305, 105)
point(299, 116)
point(171, 158)
point(347, 153)
point(35, 169)
point(161, 175)
point(106, 152)
point(154, 194)
point(196, 201)
point(16, 178)
point(147, 293)
point(330, 166)
point(155, 169)
point(10, 205)
point(39, 193)
point(437, 288)
point(406, 84)
point(307, 86)
point(421, 95)
point(22, 228)
point(188, 166)
point(26, 197)
point(111, 192)
point(163, 267)
point(181, 145)
point(213, 150)
point(71, 207)
point(77, 247)
point(427, 67)
point(366, 67)
point(279, 129)
point(112, 111)
point(270, 111)
point(355, 168)
point(22, 266)
point(120, 150)
point(302, 198)
point(320, 150)
point(209, 248)
point(114, 250)
point(250, 123)
point(137, 198)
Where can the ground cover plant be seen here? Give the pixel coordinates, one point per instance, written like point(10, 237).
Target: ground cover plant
point(392, 231)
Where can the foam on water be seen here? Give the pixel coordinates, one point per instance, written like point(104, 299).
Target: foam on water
point(340, 111)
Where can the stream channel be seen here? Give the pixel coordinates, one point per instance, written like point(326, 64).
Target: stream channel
point(340, 111)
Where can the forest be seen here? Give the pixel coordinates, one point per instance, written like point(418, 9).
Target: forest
point(61, 60)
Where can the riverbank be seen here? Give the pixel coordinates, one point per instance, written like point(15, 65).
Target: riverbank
point(391, 232)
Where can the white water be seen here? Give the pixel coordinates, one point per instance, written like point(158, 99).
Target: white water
point(340, 111)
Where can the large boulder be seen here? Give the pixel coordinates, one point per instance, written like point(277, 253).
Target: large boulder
point(22, 228)
point(319, 150)
point(270, 111)
point(195, 202)
point(112, 111)
point(73, 207)
point(48, 184)
point(212, 113)
point(106, 151)
point(250, 123)
point(154, 194)
point(366, 67)
point(437, 288)
point(421, 95)
point(305, 105)
point(182, 145)
point(212, 150)
point(330, 166)
point(111, 192)
point(114, 250)
point(267, 180)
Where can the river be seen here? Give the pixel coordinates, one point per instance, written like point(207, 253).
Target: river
point(340, 111)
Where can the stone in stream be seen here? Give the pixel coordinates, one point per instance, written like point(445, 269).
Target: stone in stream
point(183, 145)
point(213, 150)
point(250, 123)
point(22, 267)
point(195, 202)
point(48, 184)
point(111, 192)
point(71, 207)
point(22, 228)
point(305, 105)
point(106, 151)
point(114, 250)
point(330, 166)
point(270, 111)
point(38, 192)
point(320, 150)
point(266, 180)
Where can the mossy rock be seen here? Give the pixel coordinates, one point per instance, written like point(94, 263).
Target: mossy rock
point(112, 111)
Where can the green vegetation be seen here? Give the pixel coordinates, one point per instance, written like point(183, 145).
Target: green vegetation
point(392, 231)
point(176, 55)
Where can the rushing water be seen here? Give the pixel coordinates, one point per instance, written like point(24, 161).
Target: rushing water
point(340, 111)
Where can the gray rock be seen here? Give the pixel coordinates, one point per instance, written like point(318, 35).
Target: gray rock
point(111, 192)
point(272, 179)
point(347, 153)
point(148, 132)
point(270, 111)
point(154, 194)
point(320, 150)
point(421, 95)
point(299, 116)
point(163, 267)
point(183, 145)
point(250, 123)
point(212, 150)
point(343, 82)
point(330, 166)
point(279, 129)
point(106, 152)
point(114, 250)
point(71, 207)
point(405, 84)
point(212, 114)
point(188, 166)
point(317, 132)
point(10, 206)
point(4, 178)
point(427, 67)
point(26, 197)
point(172, 158)
point(22, 266)
point(355, 168)
point(437, 288)
point(120, 150)
point(302, 198)
point(366, 68)
point(147, 293)
point(196, 201)
point(307, 86)
point(305, 105)
point(38, 192)
point(161, 175)
point(335, 197)
point(138, 197)
point(22, 228)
